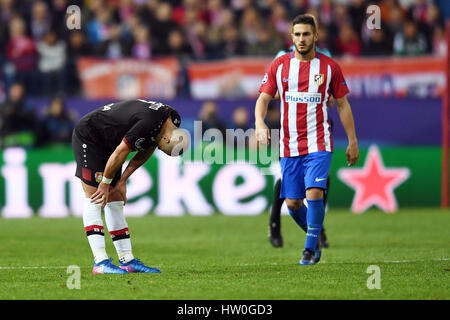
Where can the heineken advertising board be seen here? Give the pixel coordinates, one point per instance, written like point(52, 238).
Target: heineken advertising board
point(42, 182)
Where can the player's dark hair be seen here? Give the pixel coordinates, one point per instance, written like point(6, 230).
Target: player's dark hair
point(305, 19)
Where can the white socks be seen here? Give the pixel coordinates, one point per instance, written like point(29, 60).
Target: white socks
point(93, 225)
point(117, 226)
point(118, 229)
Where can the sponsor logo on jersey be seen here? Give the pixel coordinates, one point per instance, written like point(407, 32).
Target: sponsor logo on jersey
point(303, 97)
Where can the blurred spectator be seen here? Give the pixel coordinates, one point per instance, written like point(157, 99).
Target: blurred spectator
point(280, 20)
point(378, 44)
point(41, 20)
point(273, 116)
point(433, 20)
point(142, 48)
point(178, 45)
point(418, 10)
point(21, 54)
point(99, 28)
point(57, 125)
point(410, 42)
point(114, 46)
point(395, 19)
point(217, 14)
point(241, 118)
point(52, 60)
point(233, 45)
point(17, 119)
point(298, 7)
point(161, 25)
point(77, 47)
point(348, 43)
point(210, 117)
point(268, 44)
point(326, 13)
point(324, 42)
point(59, 14)
point(250, 26)
point(439, 42)
point(357, 13)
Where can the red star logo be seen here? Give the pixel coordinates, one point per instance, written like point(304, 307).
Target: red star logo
point(374, 184)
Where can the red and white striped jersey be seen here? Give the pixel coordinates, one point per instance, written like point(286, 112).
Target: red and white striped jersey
point(304, 89)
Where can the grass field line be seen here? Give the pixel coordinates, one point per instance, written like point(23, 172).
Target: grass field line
point(243, 264)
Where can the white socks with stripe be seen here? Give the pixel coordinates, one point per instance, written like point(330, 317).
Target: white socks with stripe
point(118, 229)
point(93, 225)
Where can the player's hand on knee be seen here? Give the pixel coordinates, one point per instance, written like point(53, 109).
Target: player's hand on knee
point(101, 195)
point(121, 190)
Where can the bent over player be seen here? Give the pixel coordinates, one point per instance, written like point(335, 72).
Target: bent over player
point(305, 80)
point(101, 142)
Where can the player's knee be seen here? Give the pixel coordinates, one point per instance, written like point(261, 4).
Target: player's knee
point(314, 193)
point(294, 204)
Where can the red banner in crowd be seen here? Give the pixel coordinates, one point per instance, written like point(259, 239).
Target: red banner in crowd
point(128, 78)
point(379, 77)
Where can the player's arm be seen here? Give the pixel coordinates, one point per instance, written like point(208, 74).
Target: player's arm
point(261, 130)
point(135, 163)
point(277, 96)
point(113, 164)
point(346, 117)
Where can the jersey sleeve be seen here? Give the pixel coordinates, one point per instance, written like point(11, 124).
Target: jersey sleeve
point(338, 85)
point(269, 82)
point(139, 137)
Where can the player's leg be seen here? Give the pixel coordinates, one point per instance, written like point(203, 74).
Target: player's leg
point(316, 166)
point(323, 240)
point(88, 161)
point(120, 235)
point(93, 226)
point(275, 217)
point(293, 189)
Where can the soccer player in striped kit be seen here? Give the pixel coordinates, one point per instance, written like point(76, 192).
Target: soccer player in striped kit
point(305, 80)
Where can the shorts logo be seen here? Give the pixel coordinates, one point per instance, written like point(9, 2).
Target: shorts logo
point(319, 79)
point(98, 176)
point(138, 144)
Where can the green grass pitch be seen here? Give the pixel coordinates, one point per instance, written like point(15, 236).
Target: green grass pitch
point(220, 257)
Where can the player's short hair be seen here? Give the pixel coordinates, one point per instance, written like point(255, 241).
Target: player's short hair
point(305, 19)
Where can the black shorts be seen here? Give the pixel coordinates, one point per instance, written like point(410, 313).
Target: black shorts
point(91, 162)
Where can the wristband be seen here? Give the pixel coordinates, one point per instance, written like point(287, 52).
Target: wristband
point(105, 180)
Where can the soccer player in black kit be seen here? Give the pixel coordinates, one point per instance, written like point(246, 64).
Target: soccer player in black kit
point(101, 142)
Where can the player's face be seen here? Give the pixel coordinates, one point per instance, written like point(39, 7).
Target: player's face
point(303, 37)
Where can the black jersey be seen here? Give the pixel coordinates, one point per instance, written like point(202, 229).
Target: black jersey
point(136, 122)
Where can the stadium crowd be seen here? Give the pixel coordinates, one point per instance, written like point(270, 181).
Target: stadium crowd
point(39, 50)
point(39, 53)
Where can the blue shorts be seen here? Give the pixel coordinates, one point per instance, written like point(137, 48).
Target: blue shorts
point(300, 173)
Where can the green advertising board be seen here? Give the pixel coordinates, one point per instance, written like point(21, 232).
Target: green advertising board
point(41, 181)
